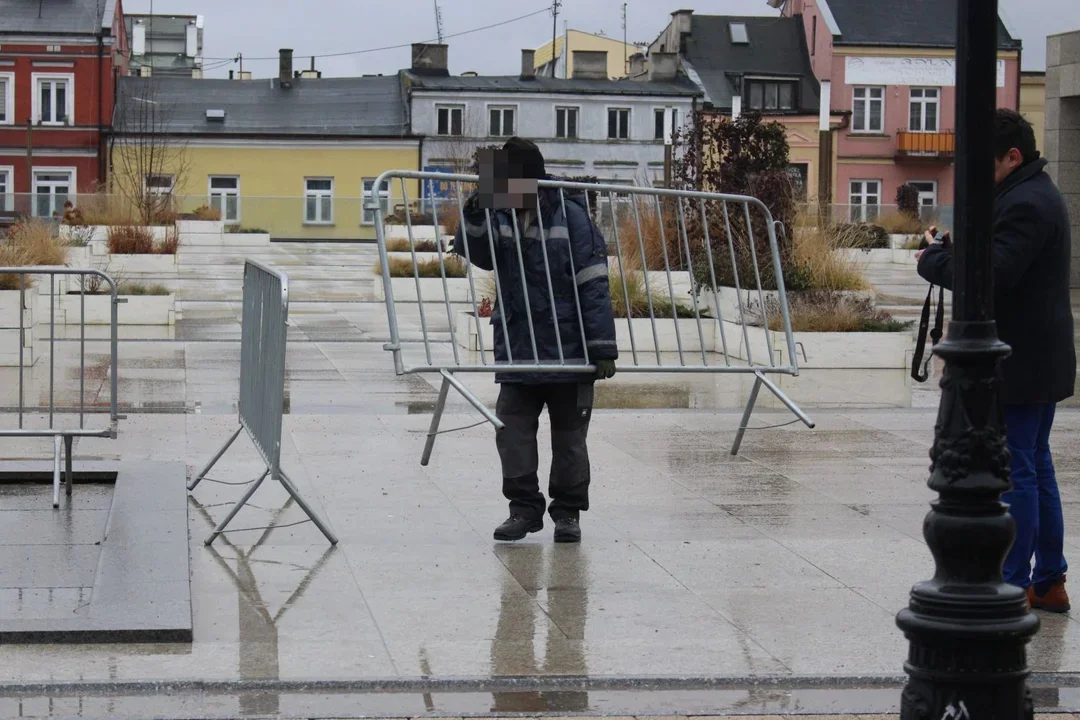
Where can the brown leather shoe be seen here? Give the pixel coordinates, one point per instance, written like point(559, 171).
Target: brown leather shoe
point(1056, 599)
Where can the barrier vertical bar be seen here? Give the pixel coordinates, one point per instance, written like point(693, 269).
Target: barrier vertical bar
point(690, 268)
point(416, 271)
point(82, 349)
point(22, 341)
point(469, 271)
point(498, 289)
point(715, 289)
point(622, 275)
point(671, 288)
point(573, 273)
point(785, 311)
point(442, 270)
point(524, 287)
point(52, 351)
point(738, 288)
point(551, 289)
point(757, 277)
point(648, 288)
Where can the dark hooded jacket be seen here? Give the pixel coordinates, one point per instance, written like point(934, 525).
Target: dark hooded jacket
point(1032, 251)
point(577, 258)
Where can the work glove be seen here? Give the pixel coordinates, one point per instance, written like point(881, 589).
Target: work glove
point(605, 369)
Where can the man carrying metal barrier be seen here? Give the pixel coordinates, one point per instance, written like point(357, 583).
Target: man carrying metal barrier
point(540, 258)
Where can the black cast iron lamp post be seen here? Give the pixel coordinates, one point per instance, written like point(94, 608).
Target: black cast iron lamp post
point(968, 630)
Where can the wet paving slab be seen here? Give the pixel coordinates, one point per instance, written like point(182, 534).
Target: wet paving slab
point(767, 582)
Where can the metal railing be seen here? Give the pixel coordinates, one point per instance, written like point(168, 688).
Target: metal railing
point(708, 327)
point(63, 437)
point(263, 333)
point(926, 144)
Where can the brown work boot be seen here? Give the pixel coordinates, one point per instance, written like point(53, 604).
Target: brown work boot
point(1056, 599)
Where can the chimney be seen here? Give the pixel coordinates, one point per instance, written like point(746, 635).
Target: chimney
point(637, 65)
point(663, 66)
point(430, 59)
point(681, 21)
point(312, 73)
point(528, 64)
point(285, 71)
point(590, 64)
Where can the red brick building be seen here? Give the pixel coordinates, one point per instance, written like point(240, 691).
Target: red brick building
point(59, 60)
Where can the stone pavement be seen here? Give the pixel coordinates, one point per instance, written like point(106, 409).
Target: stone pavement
point(772, 573)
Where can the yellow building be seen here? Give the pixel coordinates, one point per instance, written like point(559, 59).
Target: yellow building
point(1033, 103)
point(618, 53)
point(296, 160)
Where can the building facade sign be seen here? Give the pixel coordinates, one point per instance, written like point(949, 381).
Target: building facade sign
point(928, 72)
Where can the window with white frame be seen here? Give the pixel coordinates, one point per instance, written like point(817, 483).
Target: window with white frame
point(566, 122)
point(54, 98)
point(923, 109)
point(868, 110)
point(658, 122)
point(52, 187)
point(7, 98)
point(451, 120)
point(501, 121)
point(224, 194)
point(618, 120)
point(7, 189)
point(927, 192)
point(865, 200)
point(383, 197)
point(319, 201)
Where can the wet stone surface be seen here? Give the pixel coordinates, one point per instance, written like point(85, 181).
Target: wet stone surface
point(788, 560)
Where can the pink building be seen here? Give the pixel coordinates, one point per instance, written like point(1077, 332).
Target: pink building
point(889, 66)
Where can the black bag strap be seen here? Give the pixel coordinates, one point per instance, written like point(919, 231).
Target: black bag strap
point(920, 368)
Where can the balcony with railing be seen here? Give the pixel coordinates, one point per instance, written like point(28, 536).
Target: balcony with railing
point(933, 146)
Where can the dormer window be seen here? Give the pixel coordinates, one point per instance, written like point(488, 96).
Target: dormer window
point(770, 95)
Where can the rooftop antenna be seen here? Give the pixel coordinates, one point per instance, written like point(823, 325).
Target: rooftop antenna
point(39, 8)
point(625, 52)
point(555, 5)
point(438, 22)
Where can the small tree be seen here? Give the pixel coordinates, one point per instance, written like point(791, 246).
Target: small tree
point(907, 200)
point(150, 164)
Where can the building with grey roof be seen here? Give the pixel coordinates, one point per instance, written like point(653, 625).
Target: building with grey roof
point(57, 17)
point(587, 125)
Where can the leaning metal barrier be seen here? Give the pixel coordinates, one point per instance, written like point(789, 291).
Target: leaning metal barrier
point(63, 437)
point(658, 240)
point(263, 338)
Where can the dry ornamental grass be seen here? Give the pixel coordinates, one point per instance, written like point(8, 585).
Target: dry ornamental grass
point(403, 268)
point(30, 243)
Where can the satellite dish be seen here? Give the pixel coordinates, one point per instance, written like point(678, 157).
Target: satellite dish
point(776, 3)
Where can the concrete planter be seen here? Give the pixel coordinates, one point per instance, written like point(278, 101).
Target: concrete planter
point(10, 309)
point(419, 232)
point(431, 289)
point(827, 350)
point(101, 232)
point(894, 256)
point(729, 301)
point(151, 264)
point(80, 257)
point(898, 240)
point(237, 239)
point(468, 338)
point(138, 310)
point(200, 227)
point(421, 257)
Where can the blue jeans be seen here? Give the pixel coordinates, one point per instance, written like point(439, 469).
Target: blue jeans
point(1034, 502)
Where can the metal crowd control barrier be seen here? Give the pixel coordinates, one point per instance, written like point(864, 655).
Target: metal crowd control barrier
point(263, 335)
point(63, 438)
point(709, 230)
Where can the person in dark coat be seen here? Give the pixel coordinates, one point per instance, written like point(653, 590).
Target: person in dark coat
point(508, 224)
point(1031, 255)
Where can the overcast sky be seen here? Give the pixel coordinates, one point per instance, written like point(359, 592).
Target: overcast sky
point(257, 28)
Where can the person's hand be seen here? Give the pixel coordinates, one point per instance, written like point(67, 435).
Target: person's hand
point(605, 369)
point(929, 239)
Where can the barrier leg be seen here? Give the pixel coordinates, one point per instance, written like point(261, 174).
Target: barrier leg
point(745, 423)
point(433, 431)
point(236, 508)
point(202, 473)
point(788, 403)
point(70, 479)
point(56, 472)
point(319, 523)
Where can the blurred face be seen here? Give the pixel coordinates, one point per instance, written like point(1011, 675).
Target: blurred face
point(501, 184)
point(1004, 166)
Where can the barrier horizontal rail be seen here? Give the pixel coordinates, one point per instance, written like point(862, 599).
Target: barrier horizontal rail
point(694, 241)
point(263, 337)
point(63, 437)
